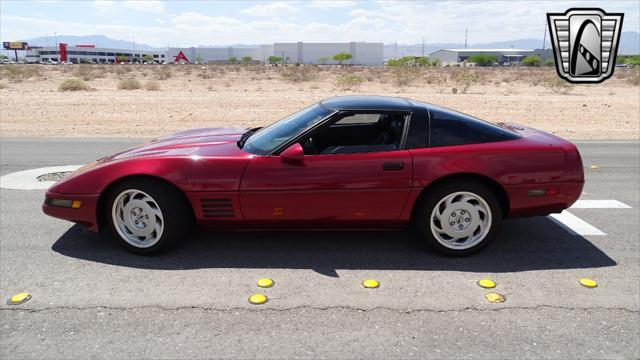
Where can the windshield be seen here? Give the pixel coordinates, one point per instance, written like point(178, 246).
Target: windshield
point(266, 140)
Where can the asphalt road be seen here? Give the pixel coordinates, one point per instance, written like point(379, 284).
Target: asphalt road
point(92, 299)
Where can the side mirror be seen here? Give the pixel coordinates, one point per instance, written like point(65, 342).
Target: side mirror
point(293, 153)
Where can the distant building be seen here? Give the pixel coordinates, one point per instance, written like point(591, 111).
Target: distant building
point(456, 56)
point(317, 53)
point(88, 53)
point(219, 54)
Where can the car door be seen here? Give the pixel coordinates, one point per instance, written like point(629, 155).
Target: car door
point(360, 188)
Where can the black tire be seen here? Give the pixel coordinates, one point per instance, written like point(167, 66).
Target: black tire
point(426, 204)
point(177, 215)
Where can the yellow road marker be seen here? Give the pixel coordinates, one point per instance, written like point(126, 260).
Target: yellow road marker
point(18, 299)
point(495, 297)
point(258, 299)
point(265, 283)
point(588, 283)
point(486, 283)
point(371, 284)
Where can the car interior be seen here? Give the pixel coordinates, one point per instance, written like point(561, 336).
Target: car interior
point(356, 133)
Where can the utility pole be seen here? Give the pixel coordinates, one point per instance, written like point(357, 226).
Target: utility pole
point(465, 36)
point(544, 37)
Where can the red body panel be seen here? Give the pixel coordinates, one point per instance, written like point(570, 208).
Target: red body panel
point(327, 190)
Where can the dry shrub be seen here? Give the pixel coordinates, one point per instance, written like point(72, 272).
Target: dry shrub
point(207, 72)
point(404, 75)
point(163, 73)
point(348, 81)
point(88, 72)
point(129, 84)
point(152, 85)
point(557, 85)
point(438, 78)
point(298, 74)
point(73, 85)
point(464, 80)
point(122, 69)
point(3, 86)
point(634, 78)
point(19, 73)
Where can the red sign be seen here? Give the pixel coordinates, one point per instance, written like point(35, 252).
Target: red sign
point(63, 52)
point(181, 56)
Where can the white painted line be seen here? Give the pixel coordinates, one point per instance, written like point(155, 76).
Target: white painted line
point(28, 179)
point(599, 204)
point(575, 224)
point(604, 142)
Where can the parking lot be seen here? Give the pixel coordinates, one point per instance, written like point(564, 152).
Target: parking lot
point(94, 299)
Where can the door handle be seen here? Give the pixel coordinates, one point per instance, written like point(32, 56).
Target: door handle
point(393, 166)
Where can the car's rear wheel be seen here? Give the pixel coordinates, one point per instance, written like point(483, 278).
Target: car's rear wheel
point(147, 216)
point(459, 218)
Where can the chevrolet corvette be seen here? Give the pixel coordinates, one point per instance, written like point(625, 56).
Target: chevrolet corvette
point(346, 162)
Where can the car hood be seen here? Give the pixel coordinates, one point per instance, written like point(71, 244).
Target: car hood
point(207, 142)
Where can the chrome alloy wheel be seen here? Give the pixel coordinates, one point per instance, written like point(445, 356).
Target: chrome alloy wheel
point(460, 220)
point(137, 218)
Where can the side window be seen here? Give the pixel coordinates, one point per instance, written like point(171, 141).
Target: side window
point(448, 128)
point(358, 119)
point(357, 132)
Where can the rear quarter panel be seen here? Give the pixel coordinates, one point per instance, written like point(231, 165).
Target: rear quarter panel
point(517, 165)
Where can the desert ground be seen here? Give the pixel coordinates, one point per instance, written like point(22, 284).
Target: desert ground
point(169, 98)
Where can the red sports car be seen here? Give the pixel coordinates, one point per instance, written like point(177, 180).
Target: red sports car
point(355, 161)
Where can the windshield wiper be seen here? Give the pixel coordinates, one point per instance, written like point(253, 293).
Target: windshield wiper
point(247, 135)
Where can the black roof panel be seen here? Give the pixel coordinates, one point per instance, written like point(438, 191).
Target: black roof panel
point(367, 103)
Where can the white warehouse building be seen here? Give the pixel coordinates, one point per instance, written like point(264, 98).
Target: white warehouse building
point(316, 53)
point(220, 54)
point(456, 56)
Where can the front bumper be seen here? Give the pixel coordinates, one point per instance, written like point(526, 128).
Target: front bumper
point(84, 215)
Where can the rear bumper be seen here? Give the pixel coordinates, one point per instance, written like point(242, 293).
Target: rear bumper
point(84, 215)
point(522, 204)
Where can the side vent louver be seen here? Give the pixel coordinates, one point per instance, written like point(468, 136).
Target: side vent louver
point(217, 208)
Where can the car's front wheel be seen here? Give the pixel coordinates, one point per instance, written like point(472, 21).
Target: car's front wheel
point(459, 218)
point(147, 216)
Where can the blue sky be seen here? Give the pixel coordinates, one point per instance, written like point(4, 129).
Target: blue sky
point(193, 23)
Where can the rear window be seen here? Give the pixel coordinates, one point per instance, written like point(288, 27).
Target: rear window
point(448, 128)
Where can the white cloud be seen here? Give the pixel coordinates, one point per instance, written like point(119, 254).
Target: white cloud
point(277, 9)
point(151, 6)
point(331, 4)
point(404, 22)
point(103, 6)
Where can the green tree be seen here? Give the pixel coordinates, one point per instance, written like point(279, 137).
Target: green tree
point(323, 60)
point(274, 59)
point(632, 60)
point(232, 59)
point(246, 59)
point(409, 61)
point(3, 57)
point(482, 60)
point(199, 59)
point(147, 58)
point(121, 58)
point(532, 61)
point(550, 62)
point(342, 57)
